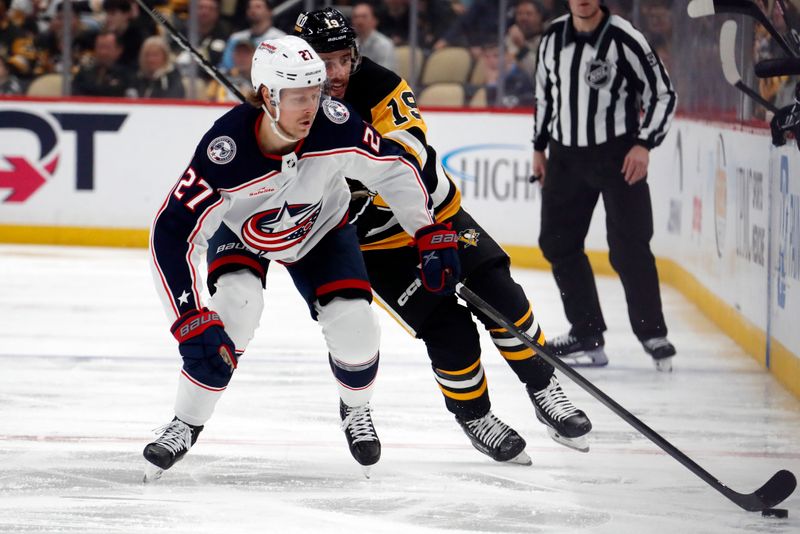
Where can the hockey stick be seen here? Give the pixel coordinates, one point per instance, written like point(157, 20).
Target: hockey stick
point(792, 25)
point(767, 68)
point(727, 55)
point(774, 491)
point(703, 8)
point(186, 45)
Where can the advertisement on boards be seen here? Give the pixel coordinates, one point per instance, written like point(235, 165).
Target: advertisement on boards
point(98, 165)
point(785, 305)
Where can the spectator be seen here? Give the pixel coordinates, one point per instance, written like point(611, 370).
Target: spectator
point(105, 76)
point(259, 15)
point(16, 44)
point(778, 90)
point(517, 85)
point(371, 42)
point(554, 9)
point(434, 18)
point(89, 14)
point(239, 75)
point(623, 8)
point(522, 39)
point(657, 19)
point(212, 32)
point(9, 85)
point(49, 54)
point(119, 17)
point(476, 26)
point(158, 77)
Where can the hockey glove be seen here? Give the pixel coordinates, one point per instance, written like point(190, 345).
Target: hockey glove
point(208, 353)
point(440, 268)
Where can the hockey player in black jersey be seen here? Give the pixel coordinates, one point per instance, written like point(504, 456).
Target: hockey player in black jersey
point(386, 101)
point(267, 183)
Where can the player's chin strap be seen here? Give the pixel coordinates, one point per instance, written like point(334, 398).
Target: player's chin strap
point(273, 122)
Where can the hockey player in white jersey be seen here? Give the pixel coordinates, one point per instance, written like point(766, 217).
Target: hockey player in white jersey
point(269, 178)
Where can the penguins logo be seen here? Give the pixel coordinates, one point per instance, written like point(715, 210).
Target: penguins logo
point(469, 237)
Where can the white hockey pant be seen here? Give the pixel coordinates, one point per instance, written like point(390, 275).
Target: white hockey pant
point(352, 334)
point(239, 300)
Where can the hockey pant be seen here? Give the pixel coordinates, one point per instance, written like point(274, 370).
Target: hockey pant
point(332, 279)
point(448, 329)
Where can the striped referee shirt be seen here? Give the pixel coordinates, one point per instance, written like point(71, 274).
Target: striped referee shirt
point(593, 88)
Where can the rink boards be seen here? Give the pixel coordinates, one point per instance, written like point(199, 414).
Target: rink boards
point(726, 203)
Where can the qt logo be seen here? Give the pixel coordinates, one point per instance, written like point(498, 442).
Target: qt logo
point(24, 175)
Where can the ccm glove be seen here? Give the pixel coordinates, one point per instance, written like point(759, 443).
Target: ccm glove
point(438, 255)
point(206, 348)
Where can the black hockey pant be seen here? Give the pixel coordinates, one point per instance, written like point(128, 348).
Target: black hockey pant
point(576, 177)
point(447, 328)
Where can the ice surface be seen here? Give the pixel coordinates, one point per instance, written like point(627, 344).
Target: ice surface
point(88, 368)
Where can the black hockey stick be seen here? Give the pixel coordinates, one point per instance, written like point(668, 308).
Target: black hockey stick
point(792, 25)
point(727, 55)
point(703, 8)
point(186, 45)
point(776, 489)
point(784, 66)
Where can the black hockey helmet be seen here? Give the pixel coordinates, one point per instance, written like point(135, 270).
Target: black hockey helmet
point(327, 30)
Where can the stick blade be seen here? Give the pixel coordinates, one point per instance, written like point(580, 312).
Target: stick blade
point(700, 8)
point(776, 489)
point(727, 52)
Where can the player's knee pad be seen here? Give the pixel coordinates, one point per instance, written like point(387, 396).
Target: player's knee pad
point(239, 300)
point(351, 330)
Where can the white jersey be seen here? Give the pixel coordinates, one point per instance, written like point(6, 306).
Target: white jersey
point(279, 207)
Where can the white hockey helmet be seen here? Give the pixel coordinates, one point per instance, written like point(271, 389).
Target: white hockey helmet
point(286, 63)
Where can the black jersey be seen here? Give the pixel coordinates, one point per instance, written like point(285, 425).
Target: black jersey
point(386, 101)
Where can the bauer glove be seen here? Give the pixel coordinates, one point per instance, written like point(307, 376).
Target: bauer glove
point(205, 346)
point(440, 268)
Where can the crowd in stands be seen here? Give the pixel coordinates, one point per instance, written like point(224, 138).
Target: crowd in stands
point(778, 90)
point(117, 49)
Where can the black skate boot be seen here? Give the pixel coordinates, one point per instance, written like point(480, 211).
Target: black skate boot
point(495, 439)
point(585, 351)
point(565, 423)
point(174, 442)
point(360, 433)
point(662, 352)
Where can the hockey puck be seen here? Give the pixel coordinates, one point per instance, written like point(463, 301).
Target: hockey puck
point(781, 513)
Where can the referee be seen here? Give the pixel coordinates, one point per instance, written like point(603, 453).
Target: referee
point(603, 101)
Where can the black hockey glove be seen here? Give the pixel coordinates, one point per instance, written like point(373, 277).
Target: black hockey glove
point(205, 346)
point(786, 121)
point(440, 268)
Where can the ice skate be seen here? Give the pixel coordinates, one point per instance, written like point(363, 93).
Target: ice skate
point(565, 423)
point(360, 433)
point(174, 442)
point(662, 352)
point(495, 439)
point(585, 351)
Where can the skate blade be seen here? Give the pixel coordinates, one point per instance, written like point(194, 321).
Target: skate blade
point(664, 365)
point(522, 459)
point(581, 443)
point(367, 470)
point(151, 473)
point(587, 358)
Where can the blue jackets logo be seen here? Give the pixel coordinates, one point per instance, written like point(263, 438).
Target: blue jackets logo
point(280, 228)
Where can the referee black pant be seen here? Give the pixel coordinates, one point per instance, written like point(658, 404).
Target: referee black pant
point(576, 177)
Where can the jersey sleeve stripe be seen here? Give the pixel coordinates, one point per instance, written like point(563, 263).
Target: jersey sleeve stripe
point(387, 159)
